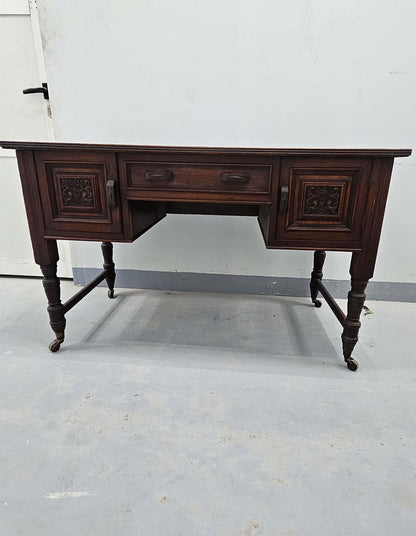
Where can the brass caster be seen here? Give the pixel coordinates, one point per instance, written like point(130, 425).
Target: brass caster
point(317, 303)
point(111, 294)
point(351, 363)
point(55, 345)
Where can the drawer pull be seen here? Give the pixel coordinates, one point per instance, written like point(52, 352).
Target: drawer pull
point(284, 196)
point(159, 175)
point(235, 178)
point(111, 194)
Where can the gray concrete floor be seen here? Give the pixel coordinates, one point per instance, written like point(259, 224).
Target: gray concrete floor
point(199, 414)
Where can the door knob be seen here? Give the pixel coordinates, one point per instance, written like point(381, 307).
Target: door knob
point(43, 89)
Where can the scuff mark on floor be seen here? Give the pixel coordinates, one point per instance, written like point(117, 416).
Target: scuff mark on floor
point(67, 494)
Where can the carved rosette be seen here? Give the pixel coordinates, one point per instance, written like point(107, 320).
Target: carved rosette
point(322, 200)
point(77, 192)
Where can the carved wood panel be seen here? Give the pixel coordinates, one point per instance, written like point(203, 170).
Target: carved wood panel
point(73, 191)
point(322, 200)
point(320, 195)
point(77, 191)
point(326, 200)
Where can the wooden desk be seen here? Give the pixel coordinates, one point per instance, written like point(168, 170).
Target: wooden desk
point(317, 199)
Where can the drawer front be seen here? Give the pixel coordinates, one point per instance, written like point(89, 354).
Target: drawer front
point(322, 201)
point(79, 192)
point(204, 177)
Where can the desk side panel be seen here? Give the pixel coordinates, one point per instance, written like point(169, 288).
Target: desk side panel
point(45, 251)
point(140, 216)
point(363, 263)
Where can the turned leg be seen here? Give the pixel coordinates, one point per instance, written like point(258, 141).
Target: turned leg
point(55, 308)
point(356, 298)
point(107, 249)
point(318, 262)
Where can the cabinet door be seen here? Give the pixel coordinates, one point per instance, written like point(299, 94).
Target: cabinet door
point(79, 193)
point(321, 202)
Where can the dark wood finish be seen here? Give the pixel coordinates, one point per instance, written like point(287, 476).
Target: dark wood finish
point(44, 251)
point(55, 307)
point(363, 262)
point(140, 216)
point(316, 275)
point(336, 309)
point(214, 209)
point(316, 199)
point(326, 202)
point(356, 299)
point(76, 298)
point(242, 151)
point(159, 177)
point(197, 177)
point(74, 192)
point(110, 273)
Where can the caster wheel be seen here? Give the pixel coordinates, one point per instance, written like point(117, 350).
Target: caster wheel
point(352, 363)
point(55, 345)
point(111, 294)
point(317, 303)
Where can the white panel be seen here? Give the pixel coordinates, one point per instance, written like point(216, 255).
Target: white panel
point(16, 255)
point(14, 7)
point(7, 153)
point(23, 117)
point(239, 73)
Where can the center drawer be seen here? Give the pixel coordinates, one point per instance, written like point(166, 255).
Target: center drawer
point(177, 176)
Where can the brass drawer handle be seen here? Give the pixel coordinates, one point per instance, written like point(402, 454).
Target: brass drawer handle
point(159, 175)
point(284, 196)
point(235, 178)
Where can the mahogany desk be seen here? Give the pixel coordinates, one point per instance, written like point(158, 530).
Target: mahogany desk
point(316, 199)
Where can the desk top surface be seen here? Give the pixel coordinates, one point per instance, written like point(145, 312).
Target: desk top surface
point(27, 145)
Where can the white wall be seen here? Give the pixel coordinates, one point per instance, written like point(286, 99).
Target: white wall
point(238, 73)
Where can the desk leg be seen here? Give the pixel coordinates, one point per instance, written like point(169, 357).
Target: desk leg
point(107, 249)
point(361, 270)
point(318, 263)
point(55, 308)
point(356, 298)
